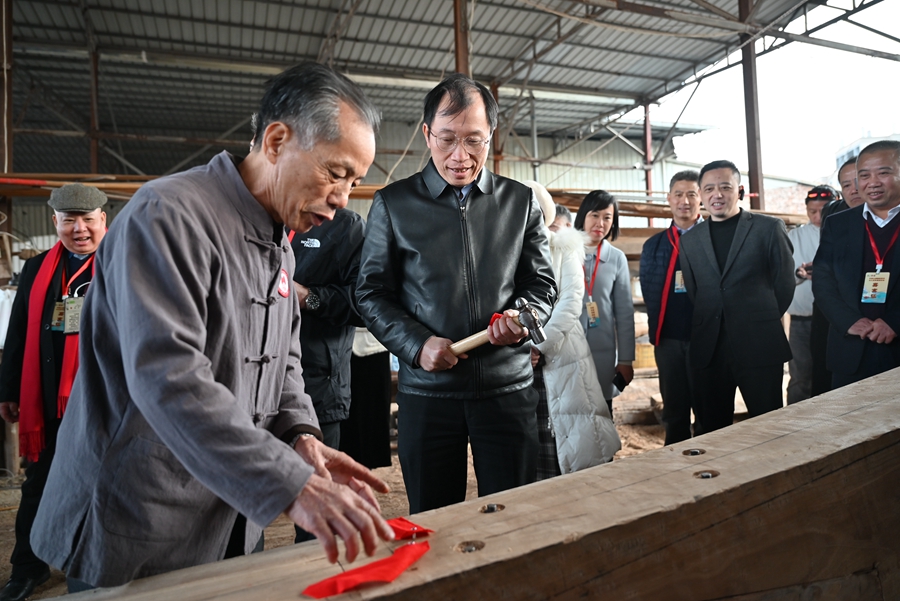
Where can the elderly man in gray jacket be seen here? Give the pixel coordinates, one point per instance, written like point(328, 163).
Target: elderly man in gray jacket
point(189, 406)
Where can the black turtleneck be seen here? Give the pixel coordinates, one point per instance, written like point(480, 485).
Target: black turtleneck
point(722, 233)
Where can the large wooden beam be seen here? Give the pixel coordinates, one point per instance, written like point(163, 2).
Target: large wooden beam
point(800, 503)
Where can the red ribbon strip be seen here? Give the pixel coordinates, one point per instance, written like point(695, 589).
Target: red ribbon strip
point(404, 529)
point(383, 570)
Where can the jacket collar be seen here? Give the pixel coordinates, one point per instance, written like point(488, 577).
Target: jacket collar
point(223, 165)
point(437, 184)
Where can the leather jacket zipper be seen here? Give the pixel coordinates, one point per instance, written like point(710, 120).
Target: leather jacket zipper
point(470, 292)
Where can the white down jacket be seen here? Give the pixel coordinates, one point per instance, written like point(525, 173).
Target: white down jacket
point(585, 434)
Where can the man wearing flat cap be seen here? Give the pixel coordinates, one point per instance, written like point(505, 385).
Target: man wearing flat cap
point(41, 357)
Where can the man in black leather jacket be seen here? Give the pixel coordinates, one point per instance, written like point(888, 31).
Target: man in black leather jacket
point(445, 249)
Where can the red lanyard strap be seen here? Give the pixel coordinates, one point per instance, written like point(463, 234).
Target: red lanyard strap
point(67, 283)
point(879, 259)
point(590, 290)
point(290, 236)
point(673, 236)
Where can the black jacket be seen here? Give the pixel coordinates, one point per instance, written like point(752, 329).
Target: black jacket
point(431, 268)
point(328, 264)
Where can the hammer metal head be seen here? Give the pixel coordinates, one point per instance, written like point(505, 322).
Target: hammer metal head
point(528, 317)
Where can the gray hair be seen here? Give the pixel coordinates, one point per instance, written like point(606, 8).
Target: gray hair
point(308, 99)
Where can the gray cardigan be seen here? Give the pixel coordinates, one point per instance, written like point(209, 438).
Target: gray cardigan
point(189, 376)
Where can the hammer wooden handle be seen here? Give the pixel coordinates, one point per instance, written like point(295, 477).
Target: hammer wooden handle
point(474, 341)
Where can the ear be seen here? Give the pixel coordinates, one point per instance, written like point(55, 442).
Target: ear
point(53, 217)
point(274, 139)
point(740, 192)
point(103, 217)
point(425, 133)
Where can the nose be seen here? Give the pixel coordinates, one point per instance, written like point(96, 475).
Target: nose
point(79, 225)
point(340, 197)
point(459, 153)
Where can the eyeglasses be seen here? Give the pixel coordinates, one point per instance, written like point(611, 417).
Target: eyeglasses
point(448, 143)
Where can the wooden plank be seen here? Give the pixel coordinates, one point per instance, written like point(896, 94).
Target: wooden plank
point(805, 494)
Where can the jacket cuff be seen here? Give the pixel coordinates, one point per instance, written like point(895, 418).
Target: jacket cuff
point(295, 431)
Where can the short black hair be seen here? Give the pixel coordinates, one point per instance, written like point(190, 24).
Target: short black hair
point(563, 212)
point(722, 164)
point(881, 145)
point(597, 201)
point(308, 97)
point(847, 163)
point(458, 87)
point(688, 175)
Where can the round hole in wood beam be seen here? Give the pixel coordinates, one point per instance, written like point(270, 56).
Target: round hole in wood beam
point(492, 508)
point(706, 474)
point(469, 546)
point(693, 452)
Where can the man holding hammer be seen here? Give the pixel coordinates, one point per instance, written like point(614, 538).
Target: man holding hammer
point(445, 249)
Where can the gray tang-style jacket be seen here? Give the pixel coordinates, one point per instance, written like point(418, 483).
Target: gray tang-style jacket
point(188, 388)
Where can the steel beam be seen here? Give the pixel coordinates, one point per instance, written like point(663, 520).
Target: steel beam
point(751, 112)
point(648, 149)
point(6, 148)
point(95, 113)
point(461, 36)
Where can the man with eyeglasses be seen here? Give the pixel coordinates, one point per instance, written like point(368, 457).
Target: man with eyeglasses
point(445, 249)
point(805, 240)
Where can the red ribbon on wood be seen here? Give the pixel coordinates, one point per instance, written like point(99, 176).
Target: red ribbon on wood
point(404, 529)
point(383, 570)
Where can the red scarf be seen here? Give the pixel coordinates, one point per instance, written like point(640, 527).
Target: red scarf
point(31, 399)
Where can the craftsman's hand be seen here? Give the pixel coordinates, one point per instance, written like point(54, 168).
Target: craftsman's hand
point(328, 510)
point(9, 412)
point(302, 293)
point(861, 328)
point(804, 272)
point(535, 357)
point(627, 372)
point(881, 332)
point(331, 464)
point(436, 355)
point(506, 331)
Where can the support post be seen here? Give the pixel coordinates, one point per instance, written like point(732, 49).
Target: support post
point(498, 144)
point(95, 112)
point(648, 150)
point(461, 36)
point(6, 148)
point(535, 164)
point(751, 111)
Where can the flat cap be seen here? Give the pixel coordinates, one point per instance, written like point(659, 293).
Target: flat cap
point(76, 198)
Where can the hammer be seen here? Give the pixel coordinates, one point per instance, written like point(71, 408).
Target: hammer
point(527, 318)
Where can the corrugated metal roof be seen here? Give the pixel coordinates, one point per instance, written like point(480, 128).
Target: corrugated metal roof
point(195, 68)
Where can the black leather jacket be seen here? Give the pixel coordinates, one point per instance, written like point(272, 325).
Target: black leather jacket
point(432, 268)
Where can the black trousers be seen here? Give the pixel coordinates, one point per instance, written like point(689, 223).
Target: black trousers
point(818, 342)
point(366, 434)
point(433, 438)
point(676, 385)
point(25, 563)
point(716, 383)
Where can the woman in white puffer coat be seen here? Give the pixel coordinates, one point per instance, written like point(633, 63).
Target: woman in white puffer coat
point(579, 420)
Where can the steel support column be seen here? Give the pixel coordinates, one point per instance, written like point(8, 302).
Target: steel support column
point(751, 111)
point(95, 112)
point(535, 164)
point(6, 148)
point(648, 150)
point(498, 144)
point(461, 36)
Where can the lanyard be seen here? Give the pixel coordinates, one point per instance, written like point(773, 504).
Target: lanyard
point(879, 259)
point(590, 289)
point(673, 236)
point(290, 236)
point(68, 283)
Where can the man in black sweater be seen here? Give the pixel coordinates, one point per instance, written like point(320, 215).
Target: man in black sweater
point(739, 272)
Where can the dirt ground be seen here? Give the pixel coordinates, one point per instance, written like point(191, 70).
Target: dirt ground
point(635, 439)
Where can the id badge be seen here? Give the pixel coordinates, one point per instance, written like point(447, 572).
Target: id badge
point(593, 314)
point(679, 282)
point(59, 316)
point(73, 315)
point(875, 287)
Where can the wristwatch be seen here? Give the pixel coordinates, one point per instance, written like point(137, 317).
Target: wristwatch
point(312, 301)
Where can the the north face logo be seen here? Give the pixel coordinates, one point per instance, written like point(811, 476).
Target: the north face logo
point(311, 243)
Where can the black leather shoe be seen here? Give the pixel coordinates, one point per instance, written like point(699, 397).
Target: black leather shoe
point(19, 589)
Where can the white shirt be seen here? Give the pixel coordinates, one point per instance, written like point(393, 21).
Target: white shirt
point(805, 240)
point(878, 220)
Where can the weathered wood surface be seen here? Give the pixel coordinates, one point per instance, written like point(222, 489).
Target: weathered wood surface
point(806, 506)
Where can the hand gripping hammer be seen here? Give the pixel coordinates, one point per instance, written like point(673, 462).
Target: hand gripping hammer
point(527, 318)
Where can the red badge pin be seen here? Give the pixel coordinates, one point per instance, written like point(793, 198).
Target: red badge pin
point(284, 284)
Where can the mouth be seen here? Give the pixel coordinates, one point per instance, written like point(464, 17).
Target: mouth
point(717, 205)
point(459, 171)
point(82, 240)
